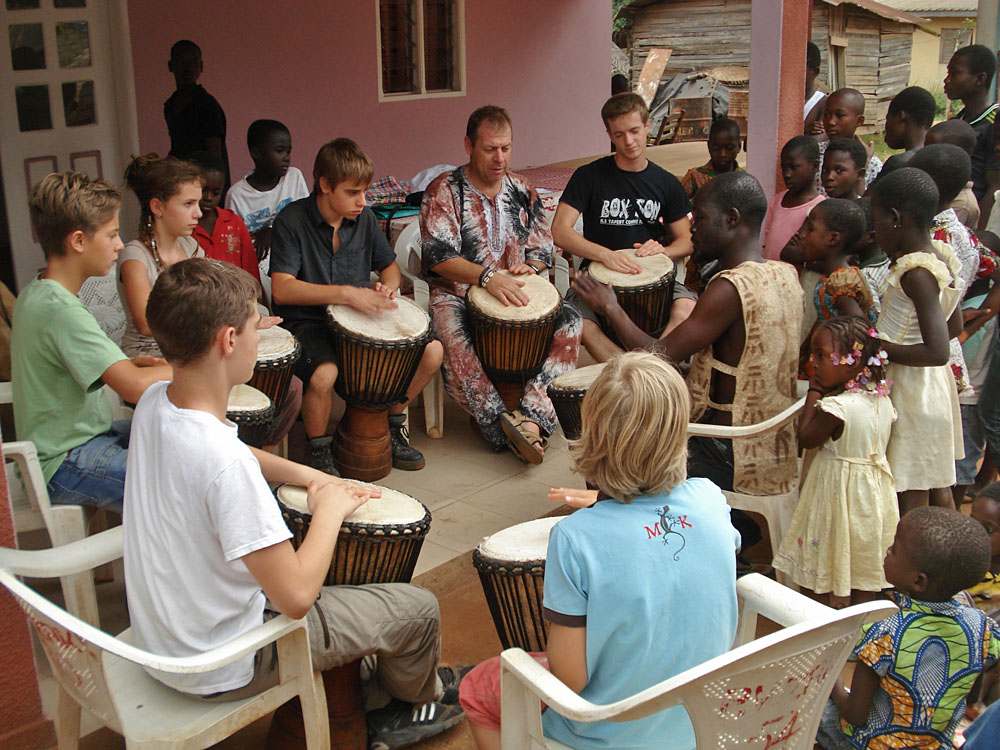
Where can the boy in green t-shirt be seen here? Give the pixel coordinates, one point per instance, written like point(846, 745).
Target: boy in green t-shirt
point(60, 356)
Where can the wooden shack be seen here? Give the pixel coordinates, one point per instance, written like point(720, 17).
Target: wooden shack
point(863, 44)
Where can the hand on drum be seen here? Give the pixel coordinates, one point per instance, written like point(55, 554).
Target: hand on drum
point(649, 247)
point(573, 497)
point(369, 300)
point(600, 297)
point(508, 290)
point(520, 269)
point(386, 291)
point(618, 260)
point(347, 497)
point(268, 321)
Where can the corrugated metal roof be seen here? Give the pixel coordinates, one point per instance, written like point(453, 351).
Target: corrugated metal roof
point(934, 7)
point(884, 10)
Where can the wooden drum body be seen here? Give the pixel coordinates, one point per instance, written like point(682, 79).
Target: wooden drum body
point(277, 352)
point(512, 342)
point(379, 542)
point(252, 412)
point(567, 392)
point(646, 297)
point(511, 565)
point(378, 355)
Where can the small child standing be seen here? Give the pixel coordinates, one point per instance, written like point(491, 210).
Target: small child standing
point(789, 208)
point(916, 668)
point(919, 312)
point(843, 114)
point(869, 258)
point(849, 416)
point(723, 148)
point(843, 168)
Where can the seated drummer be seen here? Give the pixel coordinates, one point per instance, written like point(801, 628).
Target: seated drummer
point(627, 202)
point(207, 554)
point(743, 336)
point(476, 220)
point(323, 251)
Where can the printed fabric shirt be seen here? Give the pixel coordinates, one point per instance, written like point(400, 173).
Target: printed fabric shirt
point(697, 177)
point(876, 273)
point(927, 657)
point(844, 281)
point(458, 221)
point(986, 594)
point(950, 230)
point(229, 242)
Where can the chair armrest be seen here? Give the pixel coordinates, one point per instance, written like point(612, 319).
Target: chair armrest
point(66, 559)
point(723, 431)
point(776, 602)
point(549, 688)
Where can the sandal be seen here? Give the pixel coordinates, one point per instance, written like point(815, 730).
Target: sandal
point(527, 445)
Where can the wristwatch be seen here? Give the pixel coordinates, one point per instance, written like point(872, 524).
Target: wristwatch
point(485, 276)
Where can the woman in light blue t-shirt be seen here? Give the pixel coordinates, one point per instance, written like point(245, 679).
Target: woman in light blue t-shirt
point(640, 586)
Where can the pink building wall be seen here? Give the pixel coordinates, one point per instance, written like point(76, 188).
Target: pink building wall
point(312, 65)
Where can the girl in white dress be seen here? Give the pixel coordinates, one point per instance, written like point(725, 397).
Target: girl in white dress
point(847, 511)
point(920, 313)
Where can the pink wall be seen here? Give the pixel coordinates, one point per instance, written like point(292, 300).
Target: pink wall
point(312, 65)
point(21, 722)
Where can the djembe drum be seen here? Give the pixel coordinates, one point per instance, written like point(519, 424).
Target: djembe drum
point(378, 543)
point(512, 342)
point(567, 392)
point(252, 412)
point(645, 297)
point(511, 565)
point(378, 355)
point(277, 351)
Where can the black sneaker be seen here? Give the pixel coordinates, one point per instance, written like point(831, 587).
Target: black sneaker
point(404, 455)
point(451, 677)
point(319, 457)
point(401, 724)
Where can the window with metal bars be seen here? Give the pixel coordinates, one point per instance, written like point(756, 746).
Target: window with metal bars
point(420, 47)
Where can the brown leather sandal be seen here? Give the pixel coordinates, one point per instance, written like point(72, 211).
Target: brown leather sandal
point(527, 445)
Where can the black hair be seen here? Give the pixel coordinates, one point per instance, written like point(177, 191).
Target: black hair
point(740, 190)
point(979, 59)
point(865, 204)
point(725, 125)
point(853, 147)
point(846, 218)
point(949, 547)
point(813, 59)
point(260, 130)
point(802, 145)
point(949, 167)
point(852, 94)
point(848, 329)
point(182, 46)
point(910, 191)
point(619, 84)
point(207, 161)
point(956, 132)
point(918, 103)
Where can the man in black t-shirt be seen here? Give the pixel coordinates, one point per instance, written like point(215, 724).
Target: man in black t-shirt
point(627, 203)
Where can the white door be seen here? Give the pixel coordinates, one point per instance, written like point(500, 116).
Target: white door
point(66, 79)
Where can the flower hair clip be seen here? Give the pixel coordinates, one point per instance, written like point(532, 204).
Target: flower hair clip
point(879, 359)
point(851, 359)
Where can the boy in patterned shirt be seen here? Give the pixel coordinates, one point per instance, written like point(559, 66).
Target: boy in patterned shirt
point(916, 668)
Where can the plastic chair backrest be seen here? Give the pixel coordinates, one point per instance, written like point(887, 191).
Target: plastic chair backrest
point(407, 249)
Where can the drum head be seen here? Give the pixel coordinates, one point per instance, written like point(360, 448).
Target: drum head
point(275, 343)
point(578, 379)
point(521, 543)
point(543, 296)
point(654, 268)
point(393, 508)
point(245, 398)
point(404, 323)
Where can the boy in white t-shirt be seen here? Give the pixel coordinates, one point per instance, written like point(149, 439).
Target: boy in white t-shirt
point(207, 551)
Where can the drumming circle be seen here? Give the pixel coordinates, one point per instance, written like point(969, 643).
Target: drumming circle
point(252, 412)
point(512, 341)
point(379, 542)
point(645, 296)
point(567, 392)
point(511, 565)
point(277, 351)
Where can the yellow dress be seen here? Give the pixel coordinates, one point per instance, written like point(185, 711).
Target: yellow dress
point(847, 512)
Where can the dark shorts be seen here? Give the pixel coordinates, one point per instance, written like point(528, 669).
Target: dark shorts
point(317, 348)
point(680, 292)
point(712, 458)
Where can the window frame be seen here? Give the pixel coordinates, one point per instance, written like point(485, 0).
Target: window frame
point(958, 31)
point(419, 72)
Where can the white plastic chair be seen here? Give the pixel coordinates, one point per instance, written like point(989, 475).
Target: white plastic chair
point(776, 509)
point(408, 259)
point(29, 500)
point(766, 693)
point(107, 676)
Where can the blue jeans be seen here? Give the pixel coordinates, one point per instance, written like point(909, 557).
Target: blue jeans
point(984, 734)
point(94, 473)
point(974, 438)
point(989, 400)
point(830, 736)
